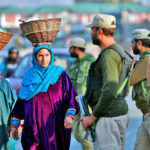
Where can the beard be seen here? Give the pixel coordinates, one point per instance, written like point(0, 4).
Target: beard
point(74, 55)
point(136, 50)
point(96, 41)
point(12, 60)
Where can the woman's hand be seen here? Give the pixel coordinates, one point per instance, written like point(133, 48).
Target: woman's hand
point(20, 129)
point(68, 122)
point(14, 133)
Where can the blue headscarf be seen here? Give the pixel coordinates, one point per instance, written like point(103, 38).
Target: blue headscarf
point(38, 79)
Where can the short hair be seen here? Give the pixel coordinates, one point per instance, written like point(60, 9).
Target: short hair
point(80, 48)
point(145, 42)
point(108, 31)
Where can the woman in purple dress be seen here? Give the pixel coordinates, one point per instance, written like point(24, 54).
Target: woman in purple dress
point(46, 103)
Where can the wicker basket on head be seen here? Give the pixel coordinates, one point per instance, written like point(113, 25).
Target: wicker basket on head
point(4, 39)
point(39, 31)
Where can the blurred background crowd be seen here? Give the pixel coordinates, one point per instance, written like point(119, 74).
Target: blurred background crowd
point(75, 14)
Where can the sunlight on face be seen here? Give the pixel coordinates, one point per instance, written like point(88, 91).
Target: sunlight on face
point(14, 54)
point(43, 57)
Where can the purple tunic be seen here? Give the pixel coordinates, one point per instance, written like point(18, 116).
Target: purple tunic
point(44, 116)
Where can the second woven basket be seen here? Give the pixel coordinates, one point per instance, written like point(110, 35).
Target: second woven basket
point(4, 39)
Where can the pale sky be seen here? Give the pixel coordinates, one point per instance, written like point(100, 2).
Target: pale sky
point(33, 3)
point(144, 2)
point(37, 3)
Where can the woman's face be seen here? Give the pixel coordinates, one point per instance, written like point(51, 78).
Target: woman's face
point(43, 57)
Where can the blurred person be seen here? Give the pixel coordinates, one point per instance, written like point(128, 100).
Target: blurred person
point(8, 98)
point(109, 109)
point(46, 103)
point(148, 71)
point(18, 40)
point(9, 64)
point(78, 71)
point(141, 45)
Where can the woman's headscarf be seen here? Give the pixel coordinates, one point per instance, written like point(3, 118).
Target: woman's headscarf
point(38, 79)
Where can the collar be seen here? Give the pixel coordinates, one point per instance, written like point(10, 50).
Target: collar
point(146, 53)
point(82, 58)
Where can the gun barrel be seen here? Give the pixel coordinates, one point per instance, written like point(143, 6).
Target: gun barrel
point(81, 105)
point(83, 113)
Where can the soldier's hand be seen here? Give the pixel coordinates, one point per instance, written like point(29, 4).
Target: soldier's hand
point(88, 121)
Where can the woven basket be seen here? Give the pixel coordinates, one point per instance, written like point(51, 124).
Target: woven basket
point(40, 31)
point(4, 39)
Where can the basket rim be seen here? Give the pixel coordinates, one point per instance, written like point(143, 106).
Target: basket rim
point(41, 20)
point(6, 37)
point(6, 33)
point(39, 32)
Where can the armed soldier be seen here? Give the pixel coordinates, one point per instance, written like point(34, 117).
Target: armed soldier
point(141, 45)
point(78, 72)
point(109, 109)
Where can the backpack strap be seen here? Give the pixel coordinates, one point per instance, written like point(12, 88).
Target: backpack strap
point(123, 53)
point(121, 92)
point(124, 84)
point(148, 71)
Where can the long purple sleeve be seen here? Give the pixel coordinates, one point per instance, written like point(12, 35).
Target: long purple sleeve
point(44, 116)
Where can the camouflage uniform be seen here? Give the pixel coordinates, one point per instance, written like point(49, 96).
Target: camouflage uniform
point(140, 95)
point(78, 72)
point(140, 84)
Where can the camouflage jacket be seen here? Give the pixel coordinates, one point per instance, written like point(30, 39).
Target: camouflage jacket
point(140, 84)
point(78, 72)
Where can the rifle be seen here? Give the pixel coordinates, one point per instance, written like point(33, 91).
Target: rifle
point(85, 112)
